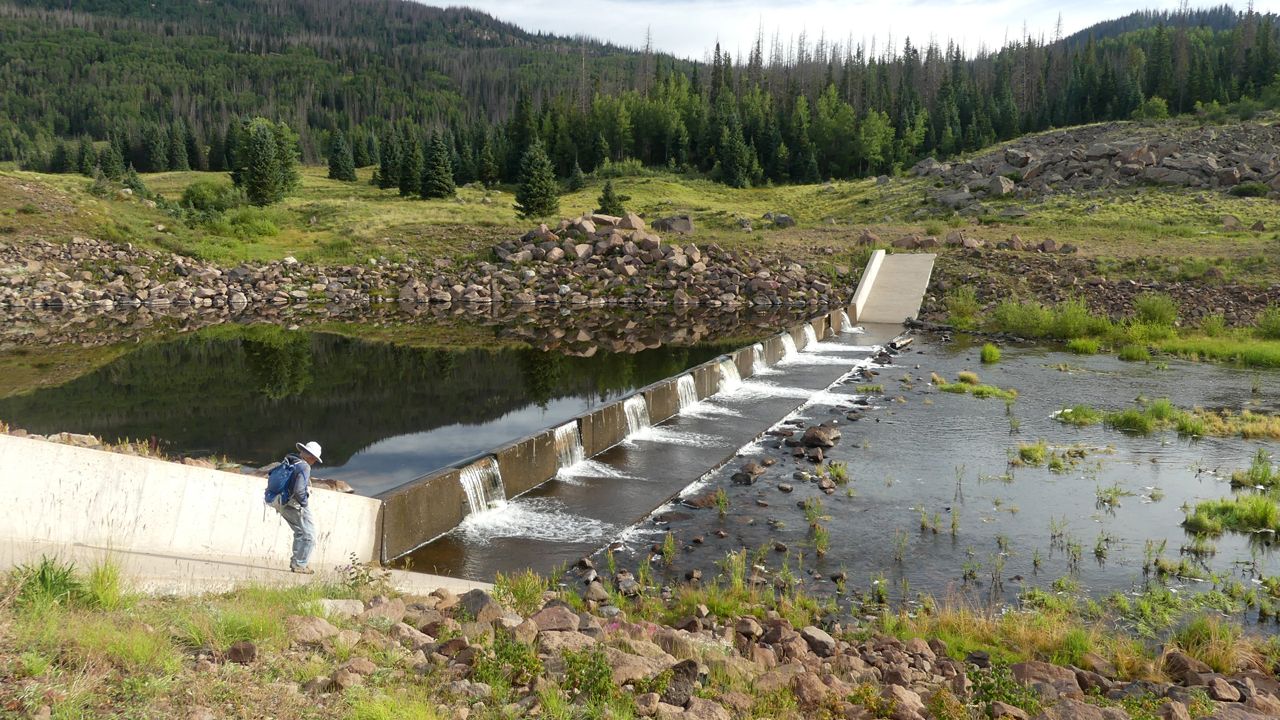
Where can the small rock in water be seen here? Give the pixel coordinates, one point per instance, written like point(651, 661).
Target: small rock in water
point(780, 547)
point(784, 487)
point(762, 503)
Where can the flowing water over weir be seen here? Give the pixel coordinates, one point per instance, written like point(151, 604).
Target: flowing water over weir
point(810, 337)
point(569, 450)
point(845, 324)
point(687, 389)
point(711, 413)
point(637, 411)
point(730, 379)
point(482, 482)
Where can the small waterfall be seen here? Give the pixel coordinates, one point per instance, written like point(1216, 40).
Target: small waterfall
point(482, 482)
point(846, 325)
point(788, 345)
point(810, 337)
point(687, 389)
point(569, 450)
point(637, 414)
point(759, 364)
point(729, 377)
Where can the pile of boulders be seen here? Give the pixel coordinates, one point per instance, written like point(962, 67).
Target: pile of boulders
point(957, 239)
point(1110, 156)
point(598, 260)
point(441, 638)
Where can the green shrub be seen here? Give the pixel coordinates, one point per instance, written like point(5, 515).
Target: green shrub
point(1160, 409)
point(212, 196)
point(1214, 325)
point(1033, 454)
point(1131, 420)
point(1268, 322)
point(48, 583)
point(1017, 319)
point(962, 304)
point(1134, 353)
point(1155, 108)
point(1250, 189)
point(1156, 309)
point(990, 353)
point(1083, 346)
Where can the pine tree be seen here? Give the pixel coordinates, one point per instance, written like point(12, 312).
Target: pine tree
point(134, 183)
point(155, 144)
point(359, 156)
point(488, 166)
point(341, 164)
point(577, 180)
point(437, 177)
point(266, 166)
point(62, 160)
point(522, 131)
point(371, 151)
point(178, 160)
point(738, 163)
point(410, 174)
point(611, 202)
point(537, 195)
point(111, 162)
point(388, 175)
point(86, 157)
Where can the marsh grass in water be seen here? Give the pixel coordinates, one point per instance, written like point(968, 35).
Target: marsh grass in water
point(1246, 513)
point(1083, 346)
point(1261, 474)
point(990, 353)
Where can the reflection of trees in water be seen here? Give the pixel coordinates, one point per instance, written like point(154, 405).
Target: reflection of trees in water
point(279, 359)
point(540, 373)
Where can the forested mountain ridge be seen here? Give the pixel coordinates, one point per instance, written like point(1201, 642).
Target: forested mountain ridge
point(168, 84)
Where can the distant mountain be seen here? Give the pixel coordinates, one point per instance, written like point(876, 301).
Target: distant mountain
point(1221, 17)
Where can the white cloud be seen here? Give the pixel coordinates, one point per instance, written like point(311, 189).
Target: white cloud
point(691, 28)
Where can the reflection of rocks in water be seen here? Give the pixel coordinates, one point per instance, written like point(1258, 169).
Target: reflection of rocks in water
point(581, 332)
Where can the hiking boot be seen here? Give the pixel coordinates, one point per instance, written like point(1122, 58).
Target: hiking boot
point(302, 570)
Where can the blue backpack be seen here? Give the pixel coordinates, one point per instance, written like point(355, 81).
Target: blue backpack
point(277, 495)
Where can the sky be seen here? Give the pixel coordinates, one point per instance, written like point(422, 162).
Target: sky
point(691, 28)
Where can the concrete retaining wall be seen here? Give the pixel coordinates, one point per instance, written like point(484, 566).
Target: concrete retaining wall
point(528, 462)
point(745, 359)
point(64, 494)
point(663, 400)
point(603, 428)
point(416, 513)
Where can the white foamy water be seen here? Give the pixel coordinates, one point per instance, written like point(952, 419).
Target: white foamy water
point(845, 324)
point(482, 483)
point(675, 436)
point(810, 337)
point(590, 469)
point(708, 409)
point(729, 377)
point(788, 345)
point(535, 519)
point(816, 358)
point(637, 411)
point(687, 390)
point(750, 389)
point(832, 347)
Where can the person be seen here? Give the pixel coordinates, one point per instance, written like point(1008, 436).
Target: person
point(297, 513)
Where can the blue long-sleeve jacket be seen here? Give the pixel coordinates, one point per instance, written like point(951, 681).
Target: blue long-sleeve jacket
point(299, 481)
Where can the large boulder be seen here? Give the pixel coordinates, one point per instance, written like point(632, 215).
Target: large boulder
point(820, 437)
point(1000, 185)
point(631, 221)
point(480, 606)
point(555, 618)
point(783, 221)
point(682, 224)
point(308, 629)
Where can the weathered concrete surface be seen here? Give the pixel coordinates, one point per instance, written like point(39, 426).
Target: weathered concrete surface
point(67, 495)
point(419, 511)
point(865, 283)
point(898, 289)
point(527, 462)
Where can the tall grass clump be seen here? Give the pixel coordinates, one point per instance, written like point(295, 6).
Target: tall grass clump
point(47, 584)
point(521, 591)
point(1083, 346)
point(1069, 320)
point(1132, 420)
point(1080, 415)
point(968, 377)
point(1156, 309)
point(1261, 474)
point(1246, 513)
point(962, 305)
point(1019, 319)
point(1218, 643)
point(990, 353)
point(1134, 353)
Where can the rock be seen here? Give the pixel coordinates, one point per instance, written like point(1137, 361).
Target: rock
point(630, 221)
point(910, 242)
point(480, 606)
point(359, 666)
point(819, 641)
point(646, 704)
point(1264, 703)
point(345, 680)
point(1000, 186)
point(1071, 709)
point(308, 629)
point(1094, 662)
point(629, 668)
point(783, 221)
point(820, 437)
point(403, 633)
point(382, 607)
point(596, 592)
point(1177, 663)
point(1222, 691)
point(682, 224)
point(242, 653)
point(1233, 712)
point(317, 685)
point(1258, 227)
point(555, 618)
point(1034, 671)
point(553, 642)
point(1231, 222)
point(682, 684)
point(778, 678)
point(1005, 710)
point(1172, 710)
point(906, 704)
point(749, 627)
point(199, 713)
point(809, 690)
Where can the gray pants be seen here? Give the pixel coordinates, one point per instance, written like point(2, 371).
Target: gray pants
point(304, 533)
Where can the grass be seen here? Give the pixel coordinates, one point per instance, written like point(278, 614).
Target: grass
point(1134, 353)
point(1246, 514)
point(1083, 346)
point(990, 354)
point(983, 392)
point(1033, 455)
point(1261, 474)
point(1080, 415)
point(1217, 643)
point(968, 378)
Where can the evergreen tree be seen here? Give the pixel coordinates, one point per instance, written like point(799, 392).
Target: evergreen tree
point(62, 160)
point(87, 157)
point(359, 151)
point(522, 131)
point(737, 161)
point(488, 165)
point(437, 177)
point(611, 203)
point(111, 162)
point(388, 175)
point(134, 183)
point(178, 159)
point(266, 167)
point(537, 195)
point(372, 153)
point(341, 164)
point(217, 151)
point(577, 180)
point(155, 145)
point(410, 175)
